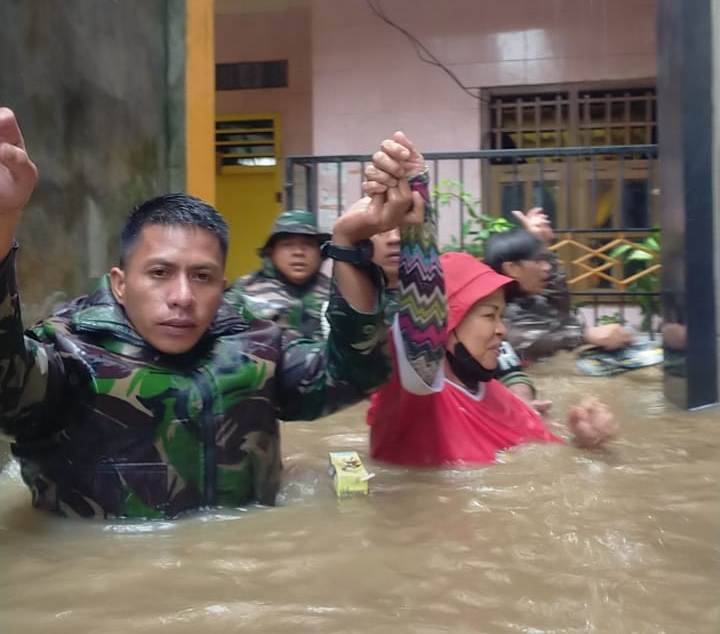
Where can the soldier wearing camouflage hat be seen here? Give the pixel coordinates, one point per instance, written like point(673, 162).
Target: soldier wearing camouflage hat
point(289, 288)
point(152, 396)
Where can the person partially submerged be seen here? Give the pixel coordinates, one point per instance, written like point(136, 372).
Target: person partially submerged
point(443, 404)
point(539, 316)
point(152, 396)
point(289, 288)
point(386, 254)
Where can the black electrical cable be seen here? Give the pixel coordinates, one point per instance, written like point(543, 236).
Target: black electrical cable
point(422, 51)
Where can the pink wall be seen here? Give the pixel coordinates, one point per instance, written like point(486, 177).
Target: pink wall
point(368, 80)
point(264, 36)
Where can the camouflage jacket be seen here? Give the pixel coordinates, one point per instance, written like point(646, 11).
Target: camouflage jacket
point(298, 310)
point(540, 325)
point(105, 426)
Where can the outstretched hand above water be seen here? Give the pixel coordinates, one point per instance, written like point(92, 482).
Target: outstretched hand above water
point(591, 423)
point(536, 222)
point(608, 336)
point(389, 203)
point(397, 161)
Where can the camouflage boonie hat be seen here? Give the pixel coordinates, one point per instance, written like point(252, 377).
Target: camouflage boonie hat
point(294, 221)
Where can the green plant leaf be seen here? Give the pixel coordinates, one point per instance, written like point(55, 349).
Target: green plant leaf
point(640, 256)
point(652, 243)
point(620, 250)
point(610, 319)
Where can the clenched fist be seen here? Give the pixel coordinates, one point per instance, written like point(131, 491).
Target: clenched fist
point(591, 423)
point(18, 173)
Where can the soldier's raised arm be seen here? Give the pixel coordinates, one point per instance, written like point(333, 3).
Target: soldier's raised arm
point(28, 370)
point(420, 324)
point(316, 379)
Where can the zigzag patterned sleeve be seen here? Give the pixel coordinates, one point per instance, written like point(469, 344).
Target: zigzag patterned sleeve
point(422, 314)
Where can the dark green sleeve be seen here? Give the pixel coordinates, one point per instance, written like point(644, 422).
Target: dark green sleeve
point(510, 371)
point(317, 378)
point(31, 373)
point(535, 329)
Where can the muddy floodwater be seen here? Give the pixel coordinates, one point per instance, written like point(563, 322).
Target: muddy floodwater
point(553, 540)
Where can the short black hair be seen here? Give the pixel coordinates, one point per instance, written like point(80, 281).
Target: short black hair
point(173, 209)
point(511, 246)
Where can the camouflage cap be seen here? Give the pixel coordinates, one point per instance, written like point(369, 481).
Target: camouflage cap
point(294, 221)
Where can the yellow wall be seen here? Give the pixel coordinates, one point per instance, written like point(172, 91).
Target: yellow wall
point(247, 200)
point(200, 99)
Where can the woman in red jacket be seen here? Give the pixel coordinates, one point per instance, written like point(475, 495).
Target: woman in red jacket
point(442, 404)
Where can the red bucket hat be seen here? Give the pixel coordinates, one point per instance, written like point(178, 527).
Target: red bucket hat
point(467, 280)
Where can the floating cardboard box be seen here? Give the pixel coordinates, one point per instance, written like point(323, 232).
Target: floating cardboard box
point(350, 477)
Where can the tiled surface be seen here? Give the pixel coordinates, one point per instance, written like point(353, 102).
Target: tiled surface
point(368, 80)
point(354, 79)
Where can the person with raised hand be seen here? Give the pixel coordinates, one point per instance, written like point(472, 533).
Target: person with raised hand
point(152, 396)
point(539, 316)
point(443, 404)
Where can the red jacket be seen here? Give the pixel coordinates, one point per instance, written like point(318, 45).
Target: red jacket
point(450, 426)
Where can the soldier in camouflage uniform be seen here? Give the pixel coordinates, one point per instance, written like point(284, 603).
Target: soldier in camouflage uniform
point(152, 396)
point(289, 288)
point(540, 319)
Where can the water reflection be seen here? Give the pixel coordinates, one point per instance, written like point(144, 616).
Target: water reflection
point(553, 540)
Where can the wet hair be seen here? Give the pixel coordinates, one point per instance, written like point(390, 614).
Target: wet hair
point(173, 210)
point(511, 246)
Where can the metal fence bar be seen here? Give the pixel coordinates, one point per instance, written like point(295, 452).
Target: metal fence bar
point(621, 196)
point(609, 230)
point(289, 184)
point(311, 195)
point(516, 177)
point(339, 189)
point(362, 176)
point(613, 150)
point(603, 292)
point(296, 166)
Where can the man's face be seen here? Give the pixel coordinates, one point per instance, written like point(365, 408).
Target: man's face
point(531, 275)
point(171, 285)
point(386, 253)
point(297, 257)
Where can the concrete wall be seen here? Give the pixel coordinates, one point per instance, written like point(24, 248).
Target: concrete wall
point(368, 79)
point(98, 88)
